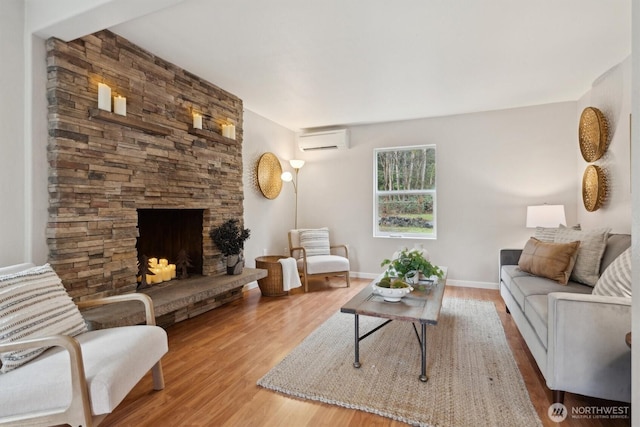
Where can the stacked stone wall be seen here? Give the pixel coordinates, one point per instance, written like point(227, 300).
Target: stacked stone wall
point(101, 171)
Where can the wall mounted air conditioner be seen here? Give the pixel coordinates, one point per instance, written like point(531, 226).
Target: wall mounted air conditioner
point(324, 140)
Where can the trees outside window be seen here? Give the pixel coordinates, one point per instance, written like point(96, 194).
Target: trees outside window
point(405, 192)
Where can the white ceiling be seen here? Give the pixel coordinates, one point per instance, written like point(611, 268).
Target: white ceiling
point(307, 64)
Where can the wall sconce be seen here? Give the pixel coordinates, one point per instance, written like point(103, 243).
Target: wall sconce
point(104, 97)
point(197, 121)
point(229, 129)
point(120, 105)
point(288, 177)
point(549, 216)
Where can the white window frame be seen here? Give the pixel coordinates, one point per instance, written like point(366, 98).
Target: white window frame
point(376, 193)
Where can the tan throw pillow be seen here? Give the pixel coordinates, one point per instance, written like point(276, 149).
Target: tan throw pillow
point(551, 260)
point(592, 246)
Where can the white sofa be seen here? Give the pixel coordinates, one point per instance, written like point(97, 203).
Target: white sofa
point(80, 379)
point(577, 338)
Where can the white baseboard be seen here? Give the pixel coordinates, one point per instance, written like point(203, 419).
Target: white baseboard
point(450, 282)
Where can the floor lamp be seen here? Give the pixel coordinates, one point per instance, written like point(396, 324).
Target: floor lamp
point(287, 177)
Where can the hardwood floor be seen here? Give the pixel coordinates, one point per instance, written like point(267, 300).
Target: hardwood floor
point(216, 358)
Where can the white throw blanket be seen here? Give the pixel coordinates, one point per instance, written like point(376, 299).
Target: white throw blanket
point(290, 277)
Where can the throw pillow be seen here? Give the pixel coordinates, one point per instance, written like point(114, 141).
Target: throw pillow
point(545, 234)
point(315, 241)
point(616, 279)
point(34, 304)
point(551, 260)
point(592, 246)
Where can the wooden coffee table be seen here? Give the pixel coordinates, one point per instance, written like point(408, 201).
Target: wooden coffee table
point(420, 306)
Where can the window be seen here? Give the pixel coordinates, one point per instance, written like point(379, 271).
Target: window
point(405, 192)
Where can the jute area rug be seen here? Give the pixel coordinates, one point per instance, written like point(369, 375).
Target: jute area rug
point(473, 378)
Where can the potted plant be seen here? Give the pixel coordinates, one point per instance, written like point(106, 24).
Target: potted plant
point(229, 238)
point(409, 265)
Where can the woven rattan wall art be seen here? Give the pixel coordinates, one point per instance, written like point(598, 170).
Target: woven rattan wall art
point(593, 134)
point(594, 188)
point(269, 171)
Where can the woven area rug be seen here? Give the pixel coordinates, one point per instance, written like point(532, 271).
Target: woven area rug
point(473, 378)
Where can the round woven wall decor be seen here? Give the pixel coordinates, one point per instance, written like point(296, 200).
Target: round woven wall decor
point(593, 134)
point(594, 188)
point(269, 171)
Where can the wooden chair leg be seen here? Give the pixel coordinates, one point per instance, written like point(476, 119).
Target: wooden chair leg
point(158, 376)
point(558, 396)
point(348, 280)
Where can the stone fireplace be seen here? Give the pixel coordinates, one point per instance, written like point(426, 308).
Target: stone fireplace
point(107, 171)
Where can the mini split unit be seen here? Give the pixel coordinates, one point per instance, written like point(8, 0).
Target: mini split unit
point(325, 140)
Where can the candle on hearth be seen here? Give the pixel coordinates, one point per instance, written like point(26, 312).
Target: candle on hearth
point(120, 105)
point(158, 275)
point(153, 262)
point(163, 262)
point(197, 121)
point(172, 267)
point(104, 97)
point(166, 273)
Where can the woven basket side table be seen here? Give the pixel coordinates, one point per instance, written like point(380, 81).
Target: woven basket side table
point(271, 286)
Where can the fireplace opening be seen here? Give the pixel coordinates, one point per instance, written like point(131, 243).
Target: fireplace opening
point(163, 233)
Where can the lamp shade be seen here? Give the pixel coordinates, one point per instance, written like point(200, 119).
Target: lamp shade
point(296, 164)
point(545, 216)
point(286, 177)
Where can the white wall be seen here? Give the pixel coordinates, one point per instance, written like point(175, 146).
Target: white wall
point(490, 167)
point(611, 94)
point(12, 160)
point(268, 219)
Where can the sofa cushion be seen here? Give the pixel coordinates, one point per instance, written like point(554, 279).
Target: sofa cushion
point(551, 260)
point(536, 309)
point(510, 272)
point(616, 279)
point(315, 241)
point(592, 246)
point(525, 286)
point(34, 304)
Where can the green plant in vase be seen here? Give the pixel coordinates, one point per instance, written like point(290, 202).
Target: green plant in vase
point(409, 264)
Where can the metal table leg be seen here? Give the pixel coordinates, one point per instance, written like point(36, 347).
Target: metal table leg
point(356, 363)
point(423, 348)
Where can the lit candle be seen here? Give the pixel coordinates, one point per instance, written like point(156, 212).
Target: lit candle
point(120, 105)
point(229, 131)
point(104, 97)
point(197, 121)
point(153, 262)
point(166, 273)
point(172, 267)
point(158, 274)
point(163, 262)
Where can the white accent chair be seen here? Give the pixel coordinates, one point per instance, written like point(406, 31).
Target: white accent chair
point(81, 379)
point(333, 261)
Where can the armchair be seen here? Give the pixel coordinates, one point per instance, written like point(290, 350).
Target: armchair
point(78, 380)
point(316, 256)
